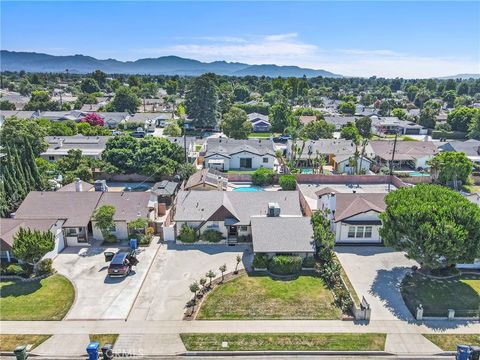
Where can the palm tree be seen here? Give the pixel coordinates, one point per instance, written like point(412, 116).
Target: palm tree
point(364, 144)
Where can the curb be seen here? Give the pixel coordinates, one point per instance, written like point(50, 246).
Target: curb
point(280, 352)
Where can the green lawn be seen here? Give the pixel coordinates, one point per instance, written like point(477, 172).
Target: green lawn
point(437, 296)
point(472, 188)
point(263, 135)
point(285, 342)
point(47, 299)
point(10, 342)
point(261, 297)
point(449, 342)
point(103, 339)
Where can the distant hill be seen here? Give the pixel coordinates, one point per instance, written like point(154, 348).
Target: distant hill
point(460, 76)
point(165, 65)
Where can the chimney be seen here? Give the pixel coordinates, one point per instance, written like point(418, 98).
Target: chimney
point(332, 203)
point(78, 185)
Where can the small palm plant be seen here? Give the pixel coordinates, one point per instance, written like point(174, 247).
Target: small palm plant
point(222, 269)
point(210, 275)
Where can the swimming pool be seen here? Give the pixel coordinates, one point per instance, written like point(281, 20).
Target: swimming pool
point(306, 171)
point(417, 173)
point(248, 188)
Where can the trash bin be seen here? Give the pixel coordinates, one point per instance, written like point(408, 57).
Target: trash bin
point(92, 350)
point(133, 244)
point(463, 352)
point(108, 255)
point(21, 352)
point(107, 351)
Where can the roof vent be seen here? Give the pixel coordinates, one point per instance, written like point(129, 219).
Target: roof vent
point(273, 210)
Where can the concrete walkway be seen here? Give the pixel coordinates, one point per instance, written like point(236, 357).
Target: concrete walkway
point(63, 345)
point(402, 344)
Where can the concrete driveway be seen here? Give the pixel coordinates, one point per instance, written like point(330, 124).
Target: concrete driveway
point(97, 295)
point(165, 291)
point(376, 273)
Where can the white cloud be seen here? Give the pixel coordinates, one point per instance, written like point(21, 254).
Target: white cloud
point(287, 49)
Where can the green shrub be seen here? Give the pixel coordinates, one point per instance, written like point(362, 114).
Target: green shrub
point(262, 177)
point(45, 266)
point(309, 262)
point(260, 261)
point(110, 239)
point(342, 298)
point(439, 134)
point(187, 234)
point(288, 182)
point(285, 265)
point(213, 236)
point(15, 269)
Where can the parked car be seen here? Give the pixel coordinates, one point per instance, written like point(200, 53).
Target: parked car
point(138, 134)
point(281, 138)
point(121, 264)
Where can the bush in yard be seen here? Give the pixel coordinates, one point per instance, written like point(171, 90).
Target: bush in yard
point(213, 236)
point(110, 239)
point(285, 265)
point(309, 262)
point(15, 270)
point(342, 298)
point(187, 234)
point(45, 266)
point(263, 176)
point(260, 261)
point(288, 182)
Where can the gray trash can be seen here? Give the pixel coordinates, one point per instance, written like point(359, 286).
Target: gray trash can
point(21, 352)
point(107, 351)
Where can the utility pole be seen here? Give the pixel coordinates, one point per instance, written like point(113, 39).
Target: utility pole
point(185, 142)
point(393, 157)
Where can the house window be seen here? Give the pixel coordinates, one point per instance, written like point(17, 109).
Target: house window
point(368, 232)
point(246, 163)
point(71, 231)
point(360, 231)
point(51, 158)
point(265, 160)
point(243, 228)
point(351, 231)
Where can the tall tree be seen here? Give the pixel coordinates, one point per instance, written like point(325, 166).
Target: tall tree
point(450, 167)
point(434, 225)
point(125, 100)
point(235, 124)
point(201, 102)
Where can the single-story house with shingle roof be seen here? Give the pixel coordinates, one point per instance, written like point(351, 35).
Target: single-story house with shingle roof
point(207, 179)
point(408, 154)
point(226, 154)
point(259, 122)
point(59, 146)
point(10, 227)
point(471, 148)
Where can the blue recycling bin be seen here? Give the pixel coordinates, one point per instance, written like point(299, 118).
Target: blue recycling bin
point(133, 244)
point(463, 352)
point(92, 350)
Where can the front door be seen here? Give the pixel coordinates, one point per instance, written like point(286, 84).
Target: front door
point(232, 231)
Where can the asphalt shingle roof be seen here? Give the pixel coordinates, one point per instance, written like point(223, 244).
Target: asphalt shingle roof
point(228, 147)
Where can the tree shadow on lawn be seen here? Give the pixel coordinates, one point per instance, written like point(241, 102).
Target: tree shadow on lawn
point(19, 288)
point(387, 287)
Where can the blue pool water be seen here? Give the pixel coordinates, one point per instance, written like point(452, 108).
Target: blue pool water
point(416, 173)
point(306, 171)
point(248, 188)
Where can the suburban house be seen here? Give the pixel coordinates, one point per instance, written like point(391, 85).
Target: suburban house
point(151, 120)
point(338, 153)
point(259, 122)
point(58, 146)
point(339, 121)
point(391, 125)
point(165, 191)
point(409, 155)
point(354, 216)
point(471, 148)
point(231, 212)
point(207, 179)
point(76, 208)
point(227, 154)
point(10, 227)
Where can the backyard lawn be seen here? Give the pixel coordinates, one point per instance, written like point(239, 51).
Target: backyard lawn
point(10, 342)
point(437, 296)
point(285, 342)
point(47, 299)
point(449, 342)
point(263, 135)
point(261, 297)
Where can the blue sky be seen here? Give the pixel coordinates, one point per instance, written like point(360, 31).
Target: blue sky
point(409, 39)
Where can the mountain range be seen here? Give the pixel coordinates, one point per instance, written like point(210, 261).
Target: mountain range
point(165, 65)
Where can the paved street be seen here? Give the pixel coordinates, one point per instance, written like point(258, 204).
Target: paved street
point(99, 297)
point(376, 273)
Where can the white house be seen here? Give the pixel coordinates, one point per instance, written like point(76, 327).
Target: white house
point(227, 154)
point(59, 146)
point(354, 216)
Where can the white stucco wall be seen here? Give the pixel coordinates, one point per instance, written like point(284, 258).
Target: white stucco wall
point(344, 168)
point(57, 232)
point(257, 161)
point(121, 231)
point(341, 229)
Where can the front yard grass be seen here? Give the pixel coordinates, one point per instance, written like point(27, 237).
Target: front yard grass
point(47, 299)
point(439, 295)
point(103, 339)
point(10, 342)
point(285, 342)
point(449, 342)
point(261, 297)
